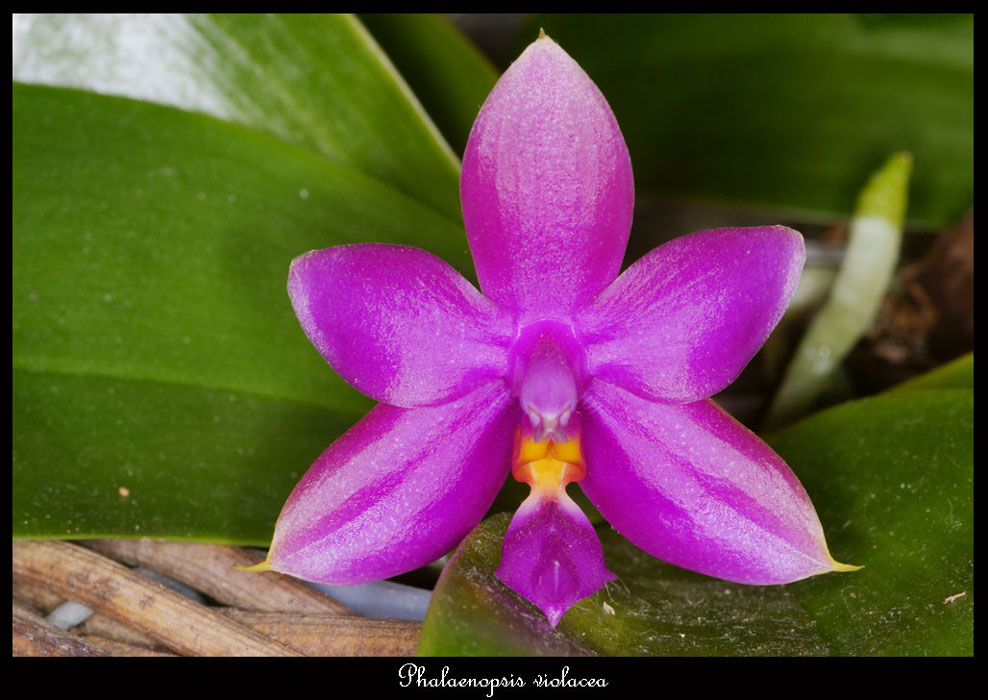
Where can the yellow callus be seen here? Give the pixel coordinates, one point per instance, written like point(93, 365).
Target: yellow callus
point(548, 466)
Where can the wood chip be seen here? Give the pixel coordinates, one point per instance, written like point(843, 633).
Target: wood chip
point(108, 587)
point(100, 625)
point(210, 569)
point(333, 635)
point(35, 595)
point(116, 648)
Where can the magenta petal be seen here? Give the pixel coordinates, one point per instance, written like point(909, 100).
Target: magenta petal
point(398, 490)
point(552, 556)
point(682, 322)
point(692, 486)
point(546, 188)
point(398, 323)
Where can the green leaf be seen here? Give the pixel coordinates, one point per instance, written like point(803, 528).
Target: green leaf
point(653, 609)
point(447, 72)
point(891, 478)
point(788, 112)
point(194, 463)
point(151, 249)
point(319, 81)
point(956, 374)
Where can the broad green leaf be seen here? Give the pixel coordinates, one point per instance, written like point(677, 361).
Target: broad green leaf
point(446, 72)
point(956, 374)
point(155, 243)
point(891, 478)
point(319, 81)
point(151, 245)
point(788, 112)
point(194, 463)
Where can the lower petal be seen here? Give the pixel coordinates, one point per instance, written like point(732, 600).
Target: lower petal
point(692, 486)
point(398, 490)
point(552, 556)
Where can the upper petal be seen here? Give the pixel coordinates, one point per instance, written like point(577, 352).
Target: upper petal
point(683, 321)
point(546, 188)
point(692, 486)
point(398, 323)
point(397, 491)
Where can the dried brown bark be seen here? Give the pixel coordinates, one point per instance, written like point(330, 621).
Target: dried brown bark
point(333, 635)
point(160, 613)
point(211, 569)
point(269, 614)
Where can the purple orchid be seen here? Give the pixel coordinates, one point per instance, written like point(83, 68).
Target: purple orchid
point(562, 371)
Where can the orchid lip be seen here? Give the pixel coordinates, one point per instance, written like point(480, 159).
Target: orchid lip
point(551, 554)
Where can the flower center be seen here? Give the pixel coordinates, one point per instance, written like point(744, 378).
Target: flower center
point(547, 466)
point(547, 373)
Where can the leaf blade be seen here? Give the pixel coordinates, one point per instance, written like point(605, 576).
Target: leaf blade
point(151, 248)
point(956, 374)
point(894, 490)
point(194, 464)
point(319, 81)
point(175, 263)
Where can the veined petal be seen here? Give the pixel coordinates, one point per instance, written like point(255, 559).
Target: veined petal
point(398, 490)
point(681, 323)
point(692, 486)
point(546, 188)
point(398, 323)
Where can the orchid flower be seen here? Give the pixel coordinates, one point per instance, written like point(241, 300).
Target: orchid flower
point(561, 371)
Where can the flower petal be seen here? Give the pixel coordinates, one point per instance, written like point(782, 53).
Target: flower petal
point(398, 323)
point(546, 188)
point(683, 321)
point(551, 555)
point(691, 485)
point(398, 490)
